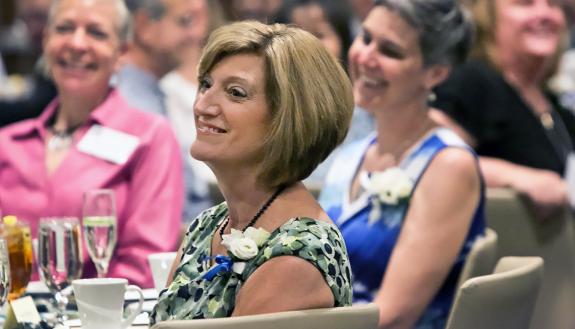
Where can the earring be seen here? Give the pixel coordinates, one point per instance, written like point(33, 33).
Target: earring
point(431, 97)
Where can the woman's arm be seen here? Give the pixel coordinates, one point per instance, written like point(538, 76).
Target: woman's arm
point(175, 265)
point(432, 235)
point(545, 188)
point(284, 283)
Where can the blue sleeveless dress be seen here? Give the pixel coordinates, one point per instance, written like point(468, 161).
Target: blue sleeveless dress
point(370, 243)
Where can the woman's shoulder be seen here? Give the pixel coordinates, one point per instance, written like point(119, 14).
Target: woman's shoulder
point(302, 226)
point(444, 155)
point(319, 243)
point(314, 240)
point(441, 147)
point(450, 151)
point(452, 170)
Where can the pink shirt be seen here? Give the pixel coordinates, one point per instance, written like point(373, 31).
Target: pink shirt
point(148, 186)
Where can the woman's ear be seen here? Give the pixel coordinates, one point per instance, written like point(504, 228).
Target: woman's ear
point(436, 74)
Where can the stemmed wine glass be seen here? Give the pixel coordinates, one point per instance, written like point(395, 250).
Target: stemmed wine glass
point(99, 224)
point(4, 272)
point(60, 257)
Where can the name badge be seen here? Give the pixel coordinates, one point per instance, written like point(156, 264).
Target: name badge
point(108, 144)
point(570, 179)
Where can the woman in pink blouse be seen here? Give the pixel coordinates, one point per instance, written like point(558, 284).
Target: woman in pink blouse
point(89, 138)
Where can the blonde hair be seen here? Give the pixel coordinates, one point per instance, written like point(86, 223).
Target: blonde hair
point(308, 93)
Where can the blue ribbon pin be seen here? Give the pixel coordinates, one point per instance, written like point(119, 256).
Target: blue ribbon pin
point(224, 264)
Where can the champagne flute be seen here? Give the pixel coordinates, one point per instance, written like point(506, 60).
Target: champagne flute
point(4, 272)
point(99, 224)
point(60, 257)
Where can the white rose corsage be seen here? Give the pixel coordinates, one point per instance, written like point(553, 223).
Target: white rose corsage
point(389, 187)
point(242, 246)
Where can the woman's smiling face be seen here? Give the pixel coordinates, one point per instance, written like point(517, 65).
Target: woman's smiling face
point(529, 27)
point(231, 112)
point(386, 63)
point(82, 45)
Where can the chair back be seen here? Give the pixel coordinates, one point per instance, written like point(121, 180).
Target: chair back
point(520, 233)
point(481, 258)
point(504, 299)
point(364, 316)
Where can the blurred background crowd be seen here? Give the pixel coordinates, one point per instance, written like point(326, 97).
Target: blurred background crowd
point(512, 101)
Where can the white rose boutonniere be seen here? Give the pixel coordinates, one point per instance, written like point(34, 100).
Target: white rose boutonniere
point(258, 235)
point(389, 187)
point(244, 246)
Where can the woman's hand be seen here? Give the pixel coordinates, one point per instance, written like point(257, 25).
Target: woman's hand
point(545, 189)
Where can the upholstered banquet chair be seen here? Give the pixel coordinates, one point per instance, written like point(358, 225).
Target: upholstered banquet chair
point(352, 317)
point(481, 258)
point(520, 233)
point(502, 300)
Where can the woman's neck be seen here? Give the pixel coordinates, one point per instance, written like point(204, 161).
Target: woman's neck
point(243, 194)
point(399, 129)
point(523, 71)
point(74, 110)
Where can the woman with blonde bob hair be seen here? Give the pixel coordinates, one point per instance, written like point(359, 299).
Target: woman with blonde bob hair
point(272, 104)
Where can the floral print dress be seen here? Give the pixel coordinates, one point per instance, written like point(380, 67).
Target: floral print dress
point(190, 296)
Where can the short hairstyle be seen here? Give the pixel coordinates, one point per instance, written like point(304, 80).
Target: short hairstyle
point(308, 93)
point(156, 9)
point(445, 30)
point(123, 25)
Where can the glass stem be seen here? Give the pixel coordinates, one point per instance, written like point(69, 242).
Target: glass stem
point(102, 269)
point(61, 303)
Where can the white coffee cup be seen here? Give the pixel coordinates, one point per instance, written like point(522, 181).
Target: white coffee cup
point(101, 302)
point(161, 264)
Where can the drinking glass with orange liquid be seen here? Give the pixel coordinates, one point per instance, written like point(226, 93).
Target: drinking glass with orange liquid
point(19, 243)
point(4, 272)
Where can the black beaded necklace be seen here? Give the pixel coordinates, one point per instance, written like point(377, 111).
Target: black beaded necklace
point(260, 212)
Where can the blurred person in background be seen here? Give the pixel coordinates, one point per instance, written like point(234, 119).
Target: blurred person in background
point(360, 9)
point(260, 10)
point(563, 81)
point(27, 89)
point(325, 21)
point(408, 198)
point(180, 88)
point(23, 37)
point(46, 164)
point(164, 32)
point(161, 32)
point(499, 101)
point(261, 134)
point(314, 17)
